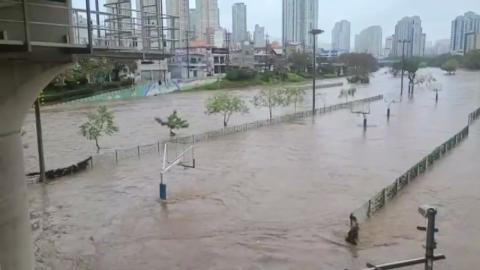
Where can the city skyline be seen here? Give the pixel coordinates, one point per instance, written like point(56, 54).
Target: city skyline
point(436, 25)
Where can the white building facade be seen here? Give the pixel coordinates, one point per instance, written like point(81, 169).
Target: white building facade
point(341, 36)
point(387, 50)
point(239, 23)
point(461, 26)
point(180, 8)
point(370, 41)
point(259, 36)
point(410, 30)
point(299, 17)
point(208, 18)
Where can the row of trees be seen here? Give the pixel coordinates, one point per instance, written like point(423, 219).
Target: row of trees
point(102, 69)
point(470, 60)
point(358, 64)
point(101, 122)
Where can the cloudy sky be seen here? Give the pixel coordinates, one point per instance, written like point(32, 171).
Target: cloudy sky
point(436, 15)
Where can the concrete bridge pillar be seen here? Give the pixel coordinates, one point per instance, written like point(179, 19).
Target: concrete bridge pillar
point(20, 84)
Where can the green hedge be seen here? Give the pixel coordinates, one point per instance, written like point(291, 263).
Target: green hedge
point(62, 93)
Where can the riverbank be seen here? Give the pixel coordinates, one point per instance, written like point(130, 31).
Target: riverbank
point(242, 85)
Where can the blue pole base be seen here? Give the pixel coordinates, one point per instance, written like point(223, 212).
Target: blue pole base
point(365, 123)
point(388, 112)
point(163, 191)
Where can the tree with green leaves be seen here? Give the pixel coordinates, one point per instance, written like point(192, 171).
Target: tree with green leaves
point(344, 93)
point(299, 61)
point(295, 96)
point(271, 97)
point(411, 67)
point(225, 104)
point(450, 66)
point(173, 122)
point(99, 124)
point(471, 60)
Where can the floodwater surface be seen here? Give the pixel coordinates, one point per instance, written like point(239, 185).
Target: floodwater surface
point(276, 197)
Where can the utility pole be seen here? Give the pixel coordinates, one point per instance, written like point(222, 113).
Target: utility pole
point(227, 44)
point(266, 52)
point(403, 62)
point(188, 53)
point(38, 124)
point(314, 32)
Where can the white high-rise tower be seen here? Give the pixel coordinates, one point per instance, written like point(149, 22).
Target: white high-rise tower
point(298, 18)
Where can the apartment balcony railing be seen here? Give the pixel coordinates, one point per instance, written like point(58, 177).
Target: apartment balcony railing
point(26, 26)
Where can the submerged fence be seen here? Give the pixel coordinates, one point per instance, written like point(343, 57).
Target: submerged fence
point(123, 153)
point(378, 201)
point(55, 173)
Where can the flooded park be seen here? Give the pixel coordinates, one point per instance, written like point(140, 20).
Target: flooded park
point(273, 198)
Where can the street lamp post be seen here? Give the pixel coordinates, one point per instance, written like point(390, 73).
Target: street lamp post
point(314, 33)
point(403, 61)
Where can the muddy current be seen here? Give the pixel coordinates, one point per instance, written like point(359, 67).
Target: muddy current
point(273, 198)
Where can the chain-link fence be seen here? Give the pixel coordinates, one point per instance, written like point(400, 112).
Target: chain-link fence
point(123, 153)
point(388, 193)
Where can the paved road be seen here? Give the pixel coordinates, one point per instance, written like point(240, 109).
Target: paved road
point(272, 198)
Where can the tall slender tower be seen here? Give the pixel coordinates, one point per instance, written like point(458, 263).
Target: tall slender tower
point(298, 18)
point(239, 22)
point(180, 8)
point(207, 18)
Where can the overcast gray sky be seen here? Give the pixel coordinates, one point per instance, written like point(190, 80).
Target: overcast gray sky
point(436, 15)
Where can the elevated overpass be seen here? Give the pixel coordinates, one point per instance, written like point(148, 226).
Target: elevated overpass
point(37, 42)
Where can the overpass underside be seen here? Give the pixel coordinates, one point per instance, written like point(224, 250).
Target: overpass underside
point(39, 39)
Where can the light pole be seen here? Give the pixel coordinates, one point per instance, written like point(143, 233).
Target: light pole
point(314, 33)
point(403, 41)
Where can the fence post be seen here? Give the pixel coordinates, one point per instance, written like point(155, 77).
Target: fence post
point(116, 156)
point(138, 150)
point(369, 210)
point(193, 138)
point(384, 197)
point(158, 147)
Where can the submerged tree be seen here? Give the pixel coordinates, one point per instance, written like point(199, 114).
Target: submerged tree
point(345, 93)
point(225, 104)
point(450, 66)
point(98, 125)
point(295, 95)
point(173, 122)
point(271, 97)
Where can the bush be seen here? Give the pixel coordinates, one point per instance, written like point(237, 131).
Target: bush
point(240, 75)
point(292, 77)
point(71, 84)
point(127, 82)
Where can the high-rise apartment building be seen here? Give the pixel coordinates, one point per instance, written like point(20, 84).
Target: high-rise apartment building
point(208, 19)
point(193, 23)
point(151, 36)
point(387, 51)
point(181, 9)
point(299, 17)
point(369, 41)
point(461, 26)
point(239, 23)
point(341, 36)
point(410, 30)
point(259, 36)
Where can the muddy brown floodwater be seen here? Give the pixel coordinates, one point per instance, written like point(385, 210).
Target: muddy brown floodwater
point(277, 197)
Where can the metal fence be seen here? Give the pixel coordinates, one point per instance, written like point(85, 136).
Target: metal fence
point(123, 153)
point(378, 201)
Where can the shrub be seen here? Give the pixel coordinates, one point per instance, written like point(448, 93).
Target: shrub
point(240, 74)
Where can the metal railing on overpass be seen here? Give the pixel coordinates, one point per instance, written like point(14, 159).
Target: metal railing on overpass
point(120, 32)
